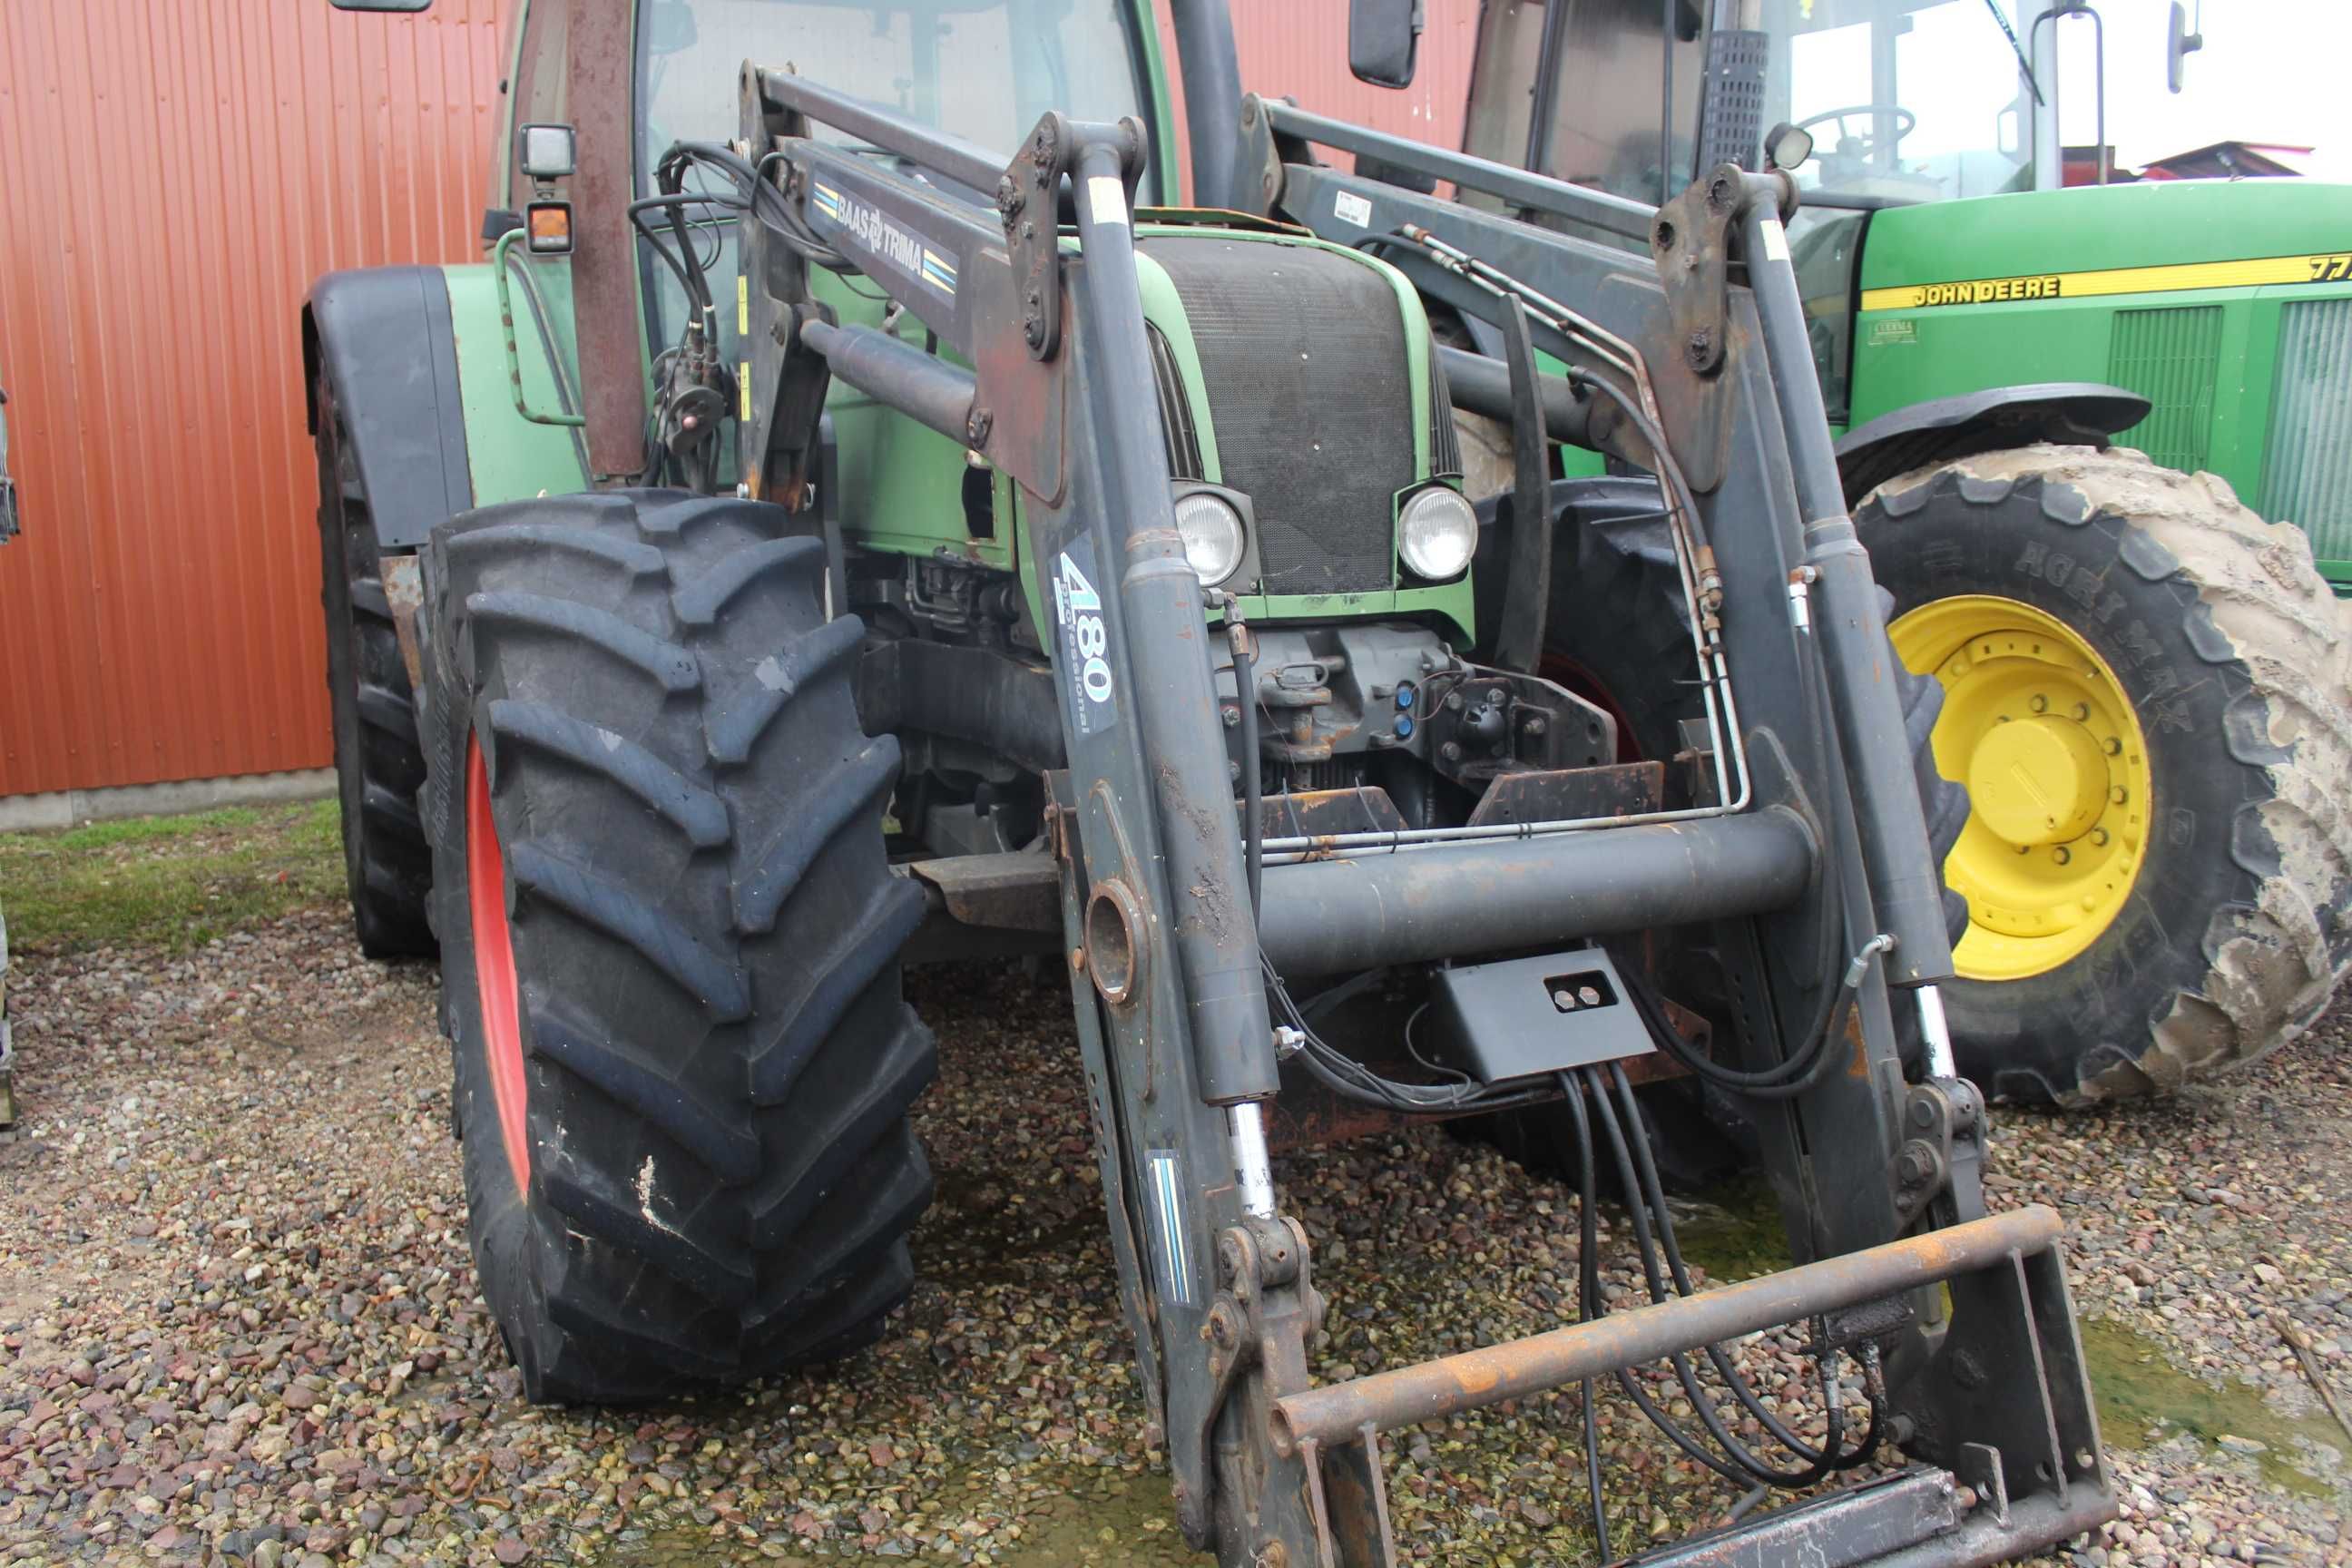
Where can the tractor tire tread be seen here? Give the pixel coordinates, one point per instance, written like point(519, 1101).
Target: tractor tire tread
point(2250, 606)
point(379, 763)
point(681, 1227)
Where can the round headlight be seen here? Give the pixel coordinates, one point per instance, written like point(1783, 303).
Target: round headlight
point(1437, 532)
point(1211, 532)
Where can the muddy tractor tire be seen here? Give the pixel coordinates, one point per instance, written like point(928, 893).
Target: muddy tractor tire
point(2149, 691)
point(379, 765)
point(671, 944)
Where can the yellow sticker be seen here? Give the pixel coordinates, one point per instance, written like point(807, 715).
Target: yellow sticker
point(2251, 273)
point(743, 388)
point(742, 306)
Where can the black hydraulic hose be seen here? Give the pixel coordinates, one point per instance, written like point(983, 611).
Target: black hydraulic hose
point(1798, 1075)
point(1252, 829)
point(1344, 1076)
point(1653, 1194)
point(1588, 1296)
point(1638, 1208)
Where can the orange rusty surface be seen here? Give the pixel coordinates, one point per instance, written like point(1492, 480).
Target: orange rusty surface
point(176, 174)
point(1471, 1379)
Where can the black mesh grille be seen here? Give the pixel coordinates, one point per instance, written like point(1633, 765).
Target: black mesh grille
point(1175, 413)
point(1444, 441)
point(1312, 399)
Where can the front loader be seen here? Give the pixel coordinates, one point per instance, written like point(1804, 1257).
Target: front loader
point(971, 554)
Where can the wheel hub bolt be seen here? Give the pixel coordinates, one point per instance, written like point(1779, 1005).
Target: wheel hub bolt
point(2040, 703)
point(2099, 836)
point(2115, 746)
point(2061, 855)
point(2118, 795)
point(2082, 713)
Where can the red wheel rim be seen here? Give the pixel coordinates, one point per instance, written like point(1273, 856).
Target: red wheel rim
point(493, 968)
point(1565, 671)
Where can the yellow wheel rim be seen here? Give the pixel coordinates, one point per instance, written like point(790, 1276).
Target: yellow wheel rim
point(2036, 726)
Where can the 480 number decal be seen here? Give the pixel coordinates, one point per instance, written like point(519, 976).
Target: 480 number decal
point(1077, 608)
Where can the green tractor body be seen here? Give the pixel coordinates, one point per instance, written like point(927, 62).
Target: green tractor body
point(2171, 356)
point(2226, 304)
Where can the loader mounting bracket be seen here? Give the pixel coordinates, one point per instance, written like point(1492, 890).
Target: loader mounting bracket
point(1028, 200)
point(1690, 239)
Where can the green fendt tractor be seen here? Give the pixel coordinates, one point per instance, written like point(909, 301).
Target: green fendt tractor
point(849, 518)
point(2055, 406)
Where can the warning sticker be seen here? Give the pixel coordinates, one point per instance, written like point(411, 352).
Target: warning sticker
point(1349, 207)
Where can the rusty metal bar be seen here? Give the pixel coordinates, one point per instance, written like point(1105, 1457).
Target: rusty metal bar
point(1473, 1379)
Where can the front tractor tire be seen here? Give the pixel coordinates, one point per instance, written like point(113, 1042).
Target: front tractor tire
point(379, 765)
point(669, 946)
point(2148, 692)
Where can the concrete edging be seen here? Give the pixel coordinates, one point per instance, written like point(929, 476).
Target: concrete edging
point(72, 808)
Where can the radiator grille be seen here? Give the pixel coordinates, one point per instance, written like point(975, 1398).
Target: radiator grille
point(2308, 471)
point(1312, 399)
point(2168, 357)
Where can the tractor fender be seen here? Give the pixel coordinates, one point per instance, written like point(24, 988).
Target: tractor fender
point(1998, 419)
point(384, 337)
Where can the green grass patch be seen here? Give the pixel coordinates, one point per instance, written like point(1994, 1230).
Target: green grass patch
point(172, 882)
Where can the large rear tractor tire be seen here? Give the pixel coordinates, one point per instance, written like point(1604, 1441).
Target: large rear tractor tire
point(2149, 691)
point(671, 944)
point(378, 766)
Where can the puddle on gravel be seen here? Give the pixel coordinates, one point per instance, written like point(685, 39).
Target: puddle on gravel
point(1063, 1528)
point(1734, 1232)
point(2144, 1400)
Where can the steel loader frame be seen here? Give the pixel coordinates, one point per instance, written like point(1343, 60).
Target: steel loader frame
point(1876, 1175)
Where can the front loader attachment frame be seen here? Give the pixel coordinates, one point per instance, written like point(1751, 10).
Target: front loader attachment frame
point(1024, 268)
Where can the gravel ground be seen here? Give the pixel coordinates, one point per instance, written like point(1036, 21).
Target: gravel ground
point(237, 1317)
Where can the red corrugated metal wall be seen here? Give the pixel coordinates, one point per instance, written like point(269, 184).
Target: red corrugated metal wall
point(1298, 49)
point(175, 172)
point(173, 175)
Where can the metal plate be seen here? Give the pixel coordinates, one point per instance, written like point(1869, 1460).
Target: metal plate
point(1526, 1017)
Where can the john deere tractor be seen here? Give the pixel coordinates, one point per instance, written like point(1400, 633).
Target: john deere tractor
point(2066, 414)
point(848, 517)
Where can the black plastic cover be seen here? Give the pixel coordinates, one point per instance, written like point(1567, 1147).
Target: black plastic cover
point(384, 337)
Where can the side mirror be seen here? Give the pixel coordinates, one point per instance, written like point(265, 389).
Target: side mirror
point(382, 4)
point(2179, 47)
point(1384, 36)
point(1787, 146)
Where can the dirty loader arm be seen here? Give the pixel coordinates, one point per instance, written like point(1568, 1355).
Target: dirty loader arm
point(1038, 298)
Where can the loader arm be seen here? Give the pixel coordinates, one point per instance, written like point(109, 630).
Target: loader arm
point(1043, 369)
